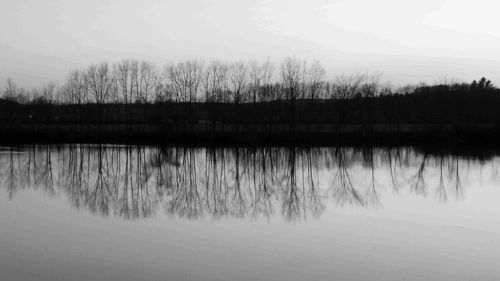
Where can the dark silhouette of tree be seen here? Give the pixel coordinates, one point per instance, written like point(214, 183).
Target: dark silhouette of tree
point(484, 84)
point(316, 74)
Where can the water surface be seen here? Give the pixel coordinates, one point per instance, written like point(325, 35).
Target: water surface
point(81, 212)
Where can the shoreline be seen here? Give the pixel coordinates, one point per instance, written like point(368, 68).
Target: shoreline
point(303, 135)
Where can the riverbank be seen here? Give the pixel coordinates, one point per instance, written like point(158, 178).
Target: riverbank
point(302, 134)
point(398, 120)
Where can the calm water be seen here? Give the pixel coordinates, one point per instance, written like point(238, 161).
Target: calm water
point(147, 213)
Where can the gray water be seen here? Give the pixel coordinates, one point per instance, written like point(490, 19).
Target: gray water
point(81, 212)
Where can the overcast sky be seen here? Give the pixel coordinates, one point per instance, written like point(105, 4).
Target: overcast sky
point(409, 41)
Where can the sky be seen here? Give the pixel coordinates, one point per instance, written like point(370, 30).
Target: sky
point(408, 41)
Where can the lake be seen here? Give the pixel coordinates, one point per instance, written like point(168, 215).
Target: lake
point(104, 212)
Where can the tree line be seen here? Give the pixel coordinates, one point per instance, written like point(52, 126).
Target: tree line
point(238, 102)
point(134, 81)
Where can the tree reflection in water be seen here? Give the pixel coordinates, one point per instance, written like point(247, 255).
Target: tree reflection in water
point(193, 183)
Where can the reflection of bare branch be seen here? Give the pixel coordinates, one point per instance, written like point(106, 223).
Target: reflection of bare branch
point(290, 206)
point(372, 194)
point(459, 193)
point(25, 170)
point(186, 201)
point(393, 168)
point(344, 192)
point(11, 180)
point(314, 199)
point(418, 184)
point(239, 201)
point(441, 190)
point(261, 203)
point(46, 174)
point(134, 182)
point(124, 208)
point(98, 199)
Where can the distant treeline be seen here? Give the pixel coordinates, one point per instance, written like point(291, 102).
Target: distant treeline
point(132, 81)
point(240, 101)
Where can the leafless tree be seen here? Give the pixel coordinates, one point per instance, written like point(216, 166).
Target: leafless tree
point(185, 79)
point(159, 90)
point(386, 89)
point(238, 75)
point(10, 89)
point(100, 82)
point(346, 86)
point(122, 73)
point(316, 74)
point(134, 80)
point(216, 82)
point(147, 81)
point(13, 93)
point(74, 91)
point(48, 92)
point(292, 76)
point(260, 75)
point(406, 89)
point(371, 85)
point(267, 71)
point(255, 74)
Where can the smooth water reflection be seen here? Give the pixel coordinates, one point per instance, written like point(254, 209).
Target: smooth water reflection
point(138, 182)
point(146, 213)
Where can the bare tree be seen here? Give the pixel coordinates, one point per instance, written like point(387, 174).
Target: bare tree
point(48, 92)
point(292, 71)
point(122, 75)
point(238, 75)
point(216, 82)
point(100, 82)
point(185, 79)
point(386, 89)
point(346, 86)
point(159, 89)
point(134, 80)
point(260, 75)
point(407, 89)
point(371, 85)
point(148, 76)
point(13, 93)
point(267, 71)
point(292, 75)
point(255, 74)
point(315, 77)
point(73, 91)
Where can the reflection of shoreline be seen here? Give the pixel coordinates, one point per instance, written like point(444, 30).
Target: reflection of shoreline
point(297, 183)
